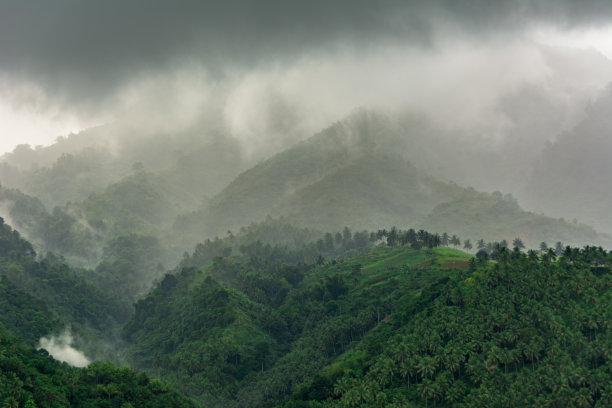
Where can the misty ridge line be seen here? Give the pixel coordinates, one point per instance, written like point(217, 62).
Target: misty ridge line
point(386, 131)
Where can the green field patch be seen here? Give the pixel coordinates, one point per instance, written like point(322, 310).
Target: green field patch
point(397, 257)
point(451, 258)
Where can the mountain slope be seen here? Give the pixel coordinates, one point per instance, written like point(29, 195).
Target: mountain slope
point(347, 170)
point(44, 297)
point(495, 217)
point(572, 177)
point(387, 323)
point(243, 328)
point(190, 163)
point(349, 175)
point(31, 378)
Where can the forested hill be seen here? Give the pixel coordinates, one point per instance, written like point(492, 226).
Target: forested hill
point(192, 163)
point(382, 318)
point(354, 173)
point(274, 314)
point(32, 379)
point(402, 323)
point(173, 192)
point(41, 297)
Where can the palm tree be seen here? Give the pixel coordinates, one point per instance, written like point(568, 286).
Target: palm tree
point(426, 366)
point(426, 390)
point(467, 244)
point(480, 244)
point(455, 241)
point(517, 243)
point(408, 369)
point(584, 398)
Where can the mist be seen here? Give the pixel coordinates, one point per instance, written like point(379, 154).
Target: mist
point(60, 347)
point(202, 66)
point(475, 92)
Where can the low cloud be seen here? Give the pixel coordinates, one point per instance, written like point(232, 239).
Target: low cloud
point(60, 347)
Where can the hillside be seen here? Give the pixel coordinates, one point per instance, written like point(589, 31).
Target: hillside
point(351, 319)
point(491, 336)
point(44, 297)
point(497, 217)
point(571, 177)
point(233, 332)
point(349, 174)
point(30, 378)
point(384, 324)
point(190, 164)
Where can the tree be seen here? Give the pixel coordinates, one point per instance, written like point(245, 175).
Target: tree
point(518, 243)
point(467, 244)
point(455, 241)
point(392, 237)
point(481, 244)
point(426, 367)
point(338, 240)
point(543, 247)
point(329, 241)
point(347, 236)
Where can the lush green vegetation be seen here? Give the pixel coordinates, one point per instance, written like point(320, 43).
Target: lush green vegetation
point(275, 314)
point(33, 379)
point(525, 331)
point(386, 325)
point(24, 316)
point(42, 297)
point(273, 320)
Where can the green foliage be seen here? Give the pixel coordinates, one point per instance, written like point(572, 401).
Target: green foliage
point(526, 331)
point(275, 314)
point(60, 231)
point(200, 336)
point(23, 315)
point(387, 325)
point(277, 321)
point(128, 266)
point(50, 289)
point(33, 379)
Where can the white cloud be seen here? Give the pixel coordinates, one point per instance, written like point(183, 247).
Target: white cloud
point(29, 116)
point(599, 39)
point(61, 349)
point(457, 82)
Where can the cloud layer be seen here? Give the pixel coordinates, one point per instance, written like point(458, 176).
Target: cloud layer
point(87, 48)
point(269, 67)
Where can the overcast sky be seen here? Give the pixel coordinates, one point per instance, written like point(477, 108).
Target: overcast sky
point(69, 64)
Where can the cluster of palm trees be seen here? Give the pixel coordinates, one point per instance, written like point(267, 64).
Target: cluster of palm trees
point(530, 330)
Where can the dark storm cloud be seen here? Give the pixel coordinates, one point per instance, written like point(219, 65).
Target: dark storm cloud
point(92, 47)
point(86, 44)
